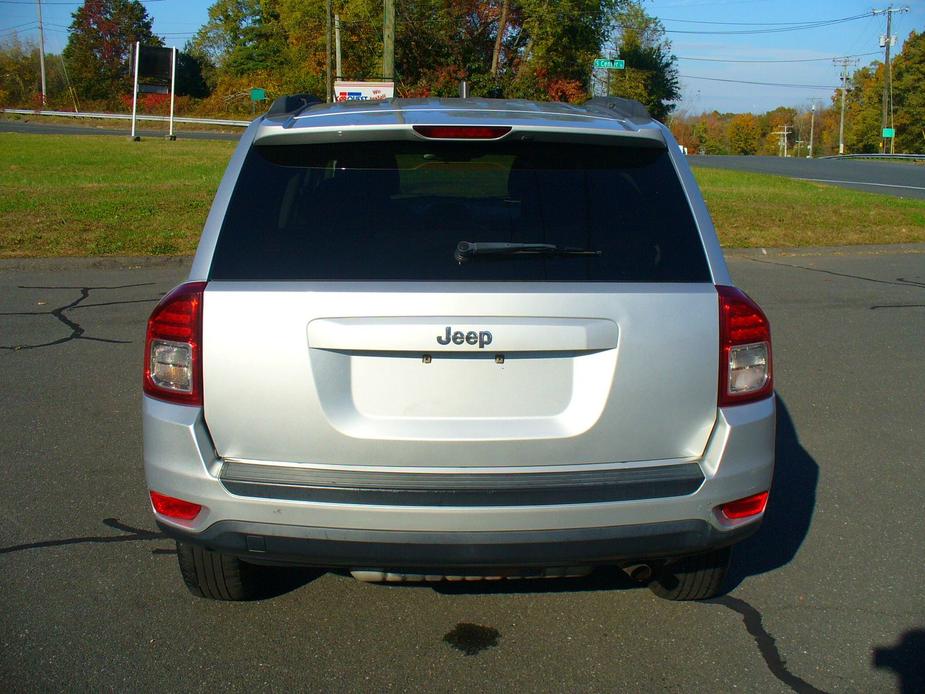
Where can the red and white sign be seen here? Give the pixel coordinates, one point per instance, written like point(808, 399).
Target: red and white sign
point(363, 91)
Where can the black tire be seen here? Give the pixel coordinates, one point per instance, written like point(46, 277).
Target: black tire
point(216, 576)
point(697, 577)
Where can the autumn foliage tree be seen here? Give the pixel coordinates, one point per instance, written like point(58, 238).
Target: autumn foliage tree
point(909, 91)
point(744, 133)
point(101, 40)
point(651, 73)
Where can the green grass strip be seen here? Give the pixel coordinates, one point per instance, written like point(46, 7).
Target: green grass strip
point(103, 195)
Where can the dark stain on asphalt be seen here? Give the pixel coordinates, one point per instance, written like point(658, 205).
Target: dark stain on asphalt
point(898, 282)
point(77, 331)
point(131, 535)
point(766, 644)
point(472, 639)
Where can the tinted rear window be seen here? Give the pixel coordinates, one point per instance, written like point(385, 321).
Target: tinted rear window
point(398, 210)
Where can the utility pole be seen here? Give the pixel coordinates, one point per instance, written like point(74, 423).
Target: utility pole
point(388, 39)
point(338, 73)
point(327, 46)
point(812, 125)
point(844, 62)
point(38, 5)
point(812, 129)
point(887, 72)
point(783, 134)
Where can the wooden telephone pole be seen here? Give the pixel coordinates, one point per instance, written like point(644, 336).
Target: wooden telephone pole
point(388, 39)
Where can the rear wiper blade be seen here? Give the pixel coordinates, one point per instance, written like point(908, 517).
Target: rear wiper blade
point(469, 249)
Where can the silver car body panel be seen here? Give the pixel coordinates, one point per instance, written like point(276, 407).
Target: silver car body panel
point(634, 379)
point(180, 461)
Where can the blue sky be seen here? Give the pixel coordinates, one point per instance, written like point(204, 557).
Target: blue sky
point(176, 20)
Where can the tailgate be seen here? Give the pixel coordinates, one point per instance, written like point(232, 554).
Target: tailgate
point(420, 375)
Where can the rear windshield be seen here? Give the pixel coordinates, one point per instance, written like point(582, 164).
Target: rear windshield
point(399, 210)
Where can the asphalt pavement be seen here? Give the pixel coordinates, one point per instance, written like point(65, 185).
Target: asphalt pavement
point(828, 596)
point(902, 179)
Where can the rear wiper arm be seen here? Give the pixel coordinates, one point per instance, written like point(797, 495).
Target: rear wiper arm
point(469, 249)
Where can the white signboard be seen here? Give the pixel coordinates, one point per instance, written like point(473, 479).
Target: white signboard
point(363, 91)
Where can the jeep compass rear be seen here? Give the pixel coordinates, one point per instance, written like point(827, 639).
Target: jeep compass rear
point(446, 339)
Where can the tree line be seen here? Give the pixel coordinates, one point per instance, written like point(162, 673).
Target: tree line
point(534, 49)
point(748, 133)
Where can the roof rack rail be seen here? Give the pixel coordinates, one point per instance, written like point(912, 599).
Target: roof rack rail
point(292, 103)
point(618, 106)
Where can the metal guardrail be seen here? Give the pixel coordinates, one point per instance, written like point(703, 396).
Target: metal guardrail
point(121, 116)
point(887, 157)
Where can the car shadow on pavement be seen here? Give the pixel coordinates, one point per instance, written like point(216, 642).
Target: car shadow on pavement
point(279, 580)
point(906, 659)
point(790, 508)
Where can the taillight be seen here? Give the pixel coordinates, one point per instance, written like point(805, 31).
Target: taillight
point(462, 132)
point(174, 508)
point(173, 346)
point(744, 349)
point(745, 508)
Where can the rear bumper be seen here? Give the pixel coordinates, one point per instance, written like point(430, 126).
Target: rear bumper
point(738, 461)
point(466, 552)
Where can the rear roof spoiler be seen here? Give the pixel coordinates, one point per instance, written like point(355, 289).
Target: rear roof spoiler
point(619, 107)
point(292, 104)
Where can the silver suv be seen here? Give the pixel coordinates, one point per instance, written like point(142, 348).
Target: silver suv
point(443, 339)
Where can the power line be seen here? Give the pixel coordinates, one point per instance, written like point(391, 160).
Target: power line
point(705, 21)
point(16, 26)
point(795, 60)
point(777, 30)
point(53, 2)
point(762, 84)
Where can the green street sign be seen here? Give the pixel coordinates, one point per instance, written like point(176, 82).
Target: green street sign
point(258, 94)
point(609, 64)
point(889, 132)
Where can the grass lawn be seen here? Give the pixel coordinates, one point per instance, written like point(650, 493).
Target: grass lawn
point(103, 195)
point(758, 210)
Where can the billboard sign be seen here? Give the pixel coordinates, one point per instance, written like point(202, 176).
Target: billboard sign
point(363, 91)
point(154, 64)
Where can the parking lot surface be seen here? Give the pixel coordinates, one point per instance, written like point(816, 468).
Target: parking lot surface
point(828, 596)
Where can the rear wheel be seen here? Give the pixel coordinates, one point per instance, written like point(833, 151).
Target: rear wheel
point(216, 576)
point(697, 577)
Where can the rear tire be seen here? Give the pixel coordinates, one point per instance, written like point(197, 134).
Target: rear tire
point(216, 576)
point(697, 577)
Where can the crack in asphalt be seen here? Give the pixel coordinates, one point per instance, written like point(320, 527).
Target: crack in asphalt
point(751, 617)
point(766, 643)
point(77, 331)
point(132, 535)
point(898, 282)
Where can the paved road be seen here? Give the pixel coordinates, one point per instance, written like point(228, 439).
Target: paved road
point(827, 597)
point(124, 129)
point(888, 178)
point(901, 179)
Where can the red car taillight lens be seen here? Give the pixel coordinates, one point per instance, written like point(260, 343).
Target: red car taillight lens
point(462, 132)
point(173, 346)
point(745, 508)
point(174, 508)
point(744, 349)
